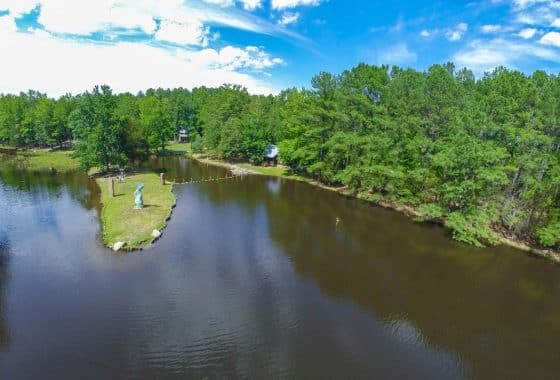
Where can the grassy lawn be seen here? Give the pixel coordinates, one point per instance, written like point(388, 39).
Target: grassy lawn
point(42, 159)
point(278, 171)
point(121, 222)
point(176, 147)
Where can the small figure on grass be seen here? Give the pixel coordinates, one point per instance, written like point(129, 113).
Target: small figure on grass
point(120, 176)
point(138, 198)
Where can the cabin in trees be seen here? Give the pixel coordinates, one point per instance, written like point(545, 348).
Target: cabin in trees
point(183, 136)
point(271, 155)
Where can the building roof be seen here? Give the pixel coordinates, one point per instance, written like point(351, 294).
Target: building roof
point(271, 151)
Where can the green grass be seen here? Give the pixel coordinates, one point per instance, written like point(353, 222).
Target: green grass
point(278, 171)
point(121, 222)
point(176, 147)
point(42, 159)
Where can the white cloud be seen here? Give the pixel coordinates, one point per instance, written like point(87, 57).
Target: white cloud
point(191, 32)
point(232, 58)
point(289, 18)
point(72, 66)
point(482, 55)
point(457, 33)
point(285, 4)
point(221, 3)
point(530, 19)
point(524, 4)
point(537, 13)
point(490, 28)
point(551, 38)
point(527, 33)
point(18, 7)
point(84, 17)
point(8, 24)
point(556, 23)
point(426, 33)
point(398, 54)
point(251, 5)
point(248, 5)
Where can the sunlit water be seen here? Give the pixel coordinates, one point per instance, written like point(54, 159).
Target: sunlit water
point(253, 278)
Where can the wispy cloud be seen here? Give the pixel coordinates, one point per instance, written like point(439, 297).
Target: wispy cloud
point(482, 55)
point(527, 33)
point(397, 54)
point(456, 33)
point(289, 18)
point(490, 28)
point(285, 4)
point(429, 33)
point(425, 33)
point(551, 38)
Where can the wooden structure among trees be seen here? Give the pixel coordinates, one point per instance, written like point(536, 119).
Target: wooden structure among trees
point(271, 153)
point(183, 136)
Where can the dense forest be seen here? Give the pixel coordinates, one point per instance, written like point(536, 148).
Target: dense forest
point(482, 155)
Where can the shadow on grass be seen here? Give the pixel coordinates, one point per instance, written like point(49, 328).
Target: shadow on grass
point(130, 171)
point(168, 153)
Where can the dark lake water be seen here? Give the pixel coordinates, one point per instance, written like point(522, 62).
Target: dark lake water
point(253, 278)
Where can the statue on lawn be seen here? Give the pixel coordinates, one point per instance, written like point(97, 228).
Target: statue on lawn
point(138, 199)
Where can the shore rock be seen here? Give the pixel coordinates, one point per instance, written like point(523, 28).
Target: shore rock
point(156, 234)
point(118, 246)
point(237, 171)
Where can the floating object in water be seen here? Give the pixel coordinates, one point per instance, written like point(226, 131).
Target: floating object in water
point(337, 220)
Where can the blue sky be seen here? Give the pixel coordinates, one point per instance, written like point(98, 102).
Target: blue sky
point(59, 46)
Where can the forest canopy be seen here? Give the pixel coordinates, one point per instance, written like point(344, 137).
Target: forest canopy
point(480, 154)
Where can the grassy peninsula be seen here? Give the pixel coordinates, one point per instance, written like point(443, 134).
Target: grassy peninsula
point(122, 223)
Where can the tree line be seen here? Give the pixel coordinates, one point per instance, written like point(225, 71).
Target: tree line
point(482, 155)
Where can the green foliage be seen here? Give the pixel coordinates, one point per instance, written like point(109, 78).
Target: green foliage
point(471, 227)
point(197, 144)
point(156, 122)
point(431, 211)
point(549, 236)
point(482, 155)
point(101, 137)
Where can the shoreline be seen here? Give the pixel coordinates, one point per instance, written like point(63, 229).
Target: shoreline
point(409, 211)
point(62, 161)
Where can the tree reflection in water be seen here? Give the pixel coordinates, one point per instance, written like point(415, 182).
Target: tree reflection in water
point(4, 274)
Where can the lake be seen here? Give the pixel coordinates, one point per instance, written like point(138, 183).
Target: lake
point(254, 278)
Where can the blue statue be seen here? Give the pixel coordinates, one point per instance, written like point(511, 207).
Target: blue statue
point(138, 199)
